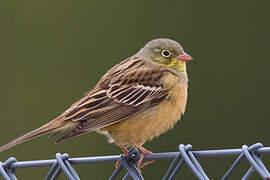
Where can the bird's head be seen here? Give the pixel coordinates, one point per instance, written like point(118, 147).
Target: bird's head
point(166, 52)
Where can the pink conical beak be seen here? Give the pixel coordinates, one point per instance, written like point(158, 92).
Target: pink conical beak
point(184, 57)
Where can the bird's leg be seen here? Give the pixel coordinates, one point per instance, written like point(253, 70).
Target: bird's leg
point(144, 152)
point(125, 151)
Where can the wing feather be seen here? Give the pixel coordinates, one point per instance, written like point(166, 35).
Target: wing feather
point(120, 94)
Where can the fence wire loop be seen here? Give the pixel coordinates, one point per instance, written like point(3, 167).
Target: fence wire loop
point(7, 172)
point(192, 162)
point(53, 172)
point(62, 163)
point(189, 158)
point(129, 162)
point(254, 159)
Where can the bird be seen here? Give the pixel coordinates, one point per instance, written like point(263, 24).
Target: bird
point(135, 101)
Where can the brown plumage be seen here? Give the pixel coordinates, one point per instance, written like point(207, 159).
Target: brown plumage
point(135, 101)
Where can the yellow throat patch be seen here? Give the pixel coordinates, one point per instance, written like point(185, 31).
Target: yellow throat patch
point(177, 65)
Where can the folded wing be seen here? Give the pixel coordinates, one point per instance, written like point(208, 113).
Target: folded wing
point(119, 95)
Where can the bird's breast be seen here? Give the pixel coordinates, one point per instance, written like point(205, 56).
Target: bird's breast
point(152, 122)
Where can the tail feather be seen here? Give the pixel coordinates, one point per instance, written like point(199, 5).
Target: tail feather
point(50, 127)
point(69, 135)
point(76, 131)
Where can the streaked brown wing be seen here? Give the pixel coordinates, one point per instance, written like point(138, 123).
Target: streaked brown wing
point(123, 95)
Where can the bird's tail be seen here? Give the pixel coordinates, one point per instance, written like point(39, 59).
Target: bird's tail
point(53, 126)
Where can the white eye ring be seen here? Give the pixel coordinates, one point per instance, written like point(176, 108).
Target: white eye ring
point(166, 53)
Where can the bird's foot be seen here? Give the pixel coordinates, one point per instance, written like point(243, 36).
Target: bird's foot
point(125, 151)
point(144, 153)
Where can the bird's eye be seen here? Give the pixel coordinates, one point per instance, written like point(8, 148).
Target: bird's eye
point(165, 53)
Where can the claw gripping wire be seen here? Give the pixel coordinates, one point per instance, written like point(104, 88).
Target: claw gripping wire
point(129, 162)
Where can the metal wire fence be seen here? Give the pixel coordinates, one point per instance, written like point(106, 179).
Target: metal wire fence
point(63, 163)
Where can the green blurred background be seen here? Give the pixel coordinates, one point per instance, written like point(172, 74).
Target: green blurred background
point(52, 52)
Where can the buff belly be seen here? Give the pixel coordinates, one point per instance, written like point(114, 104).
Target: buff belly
point(151, 123)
